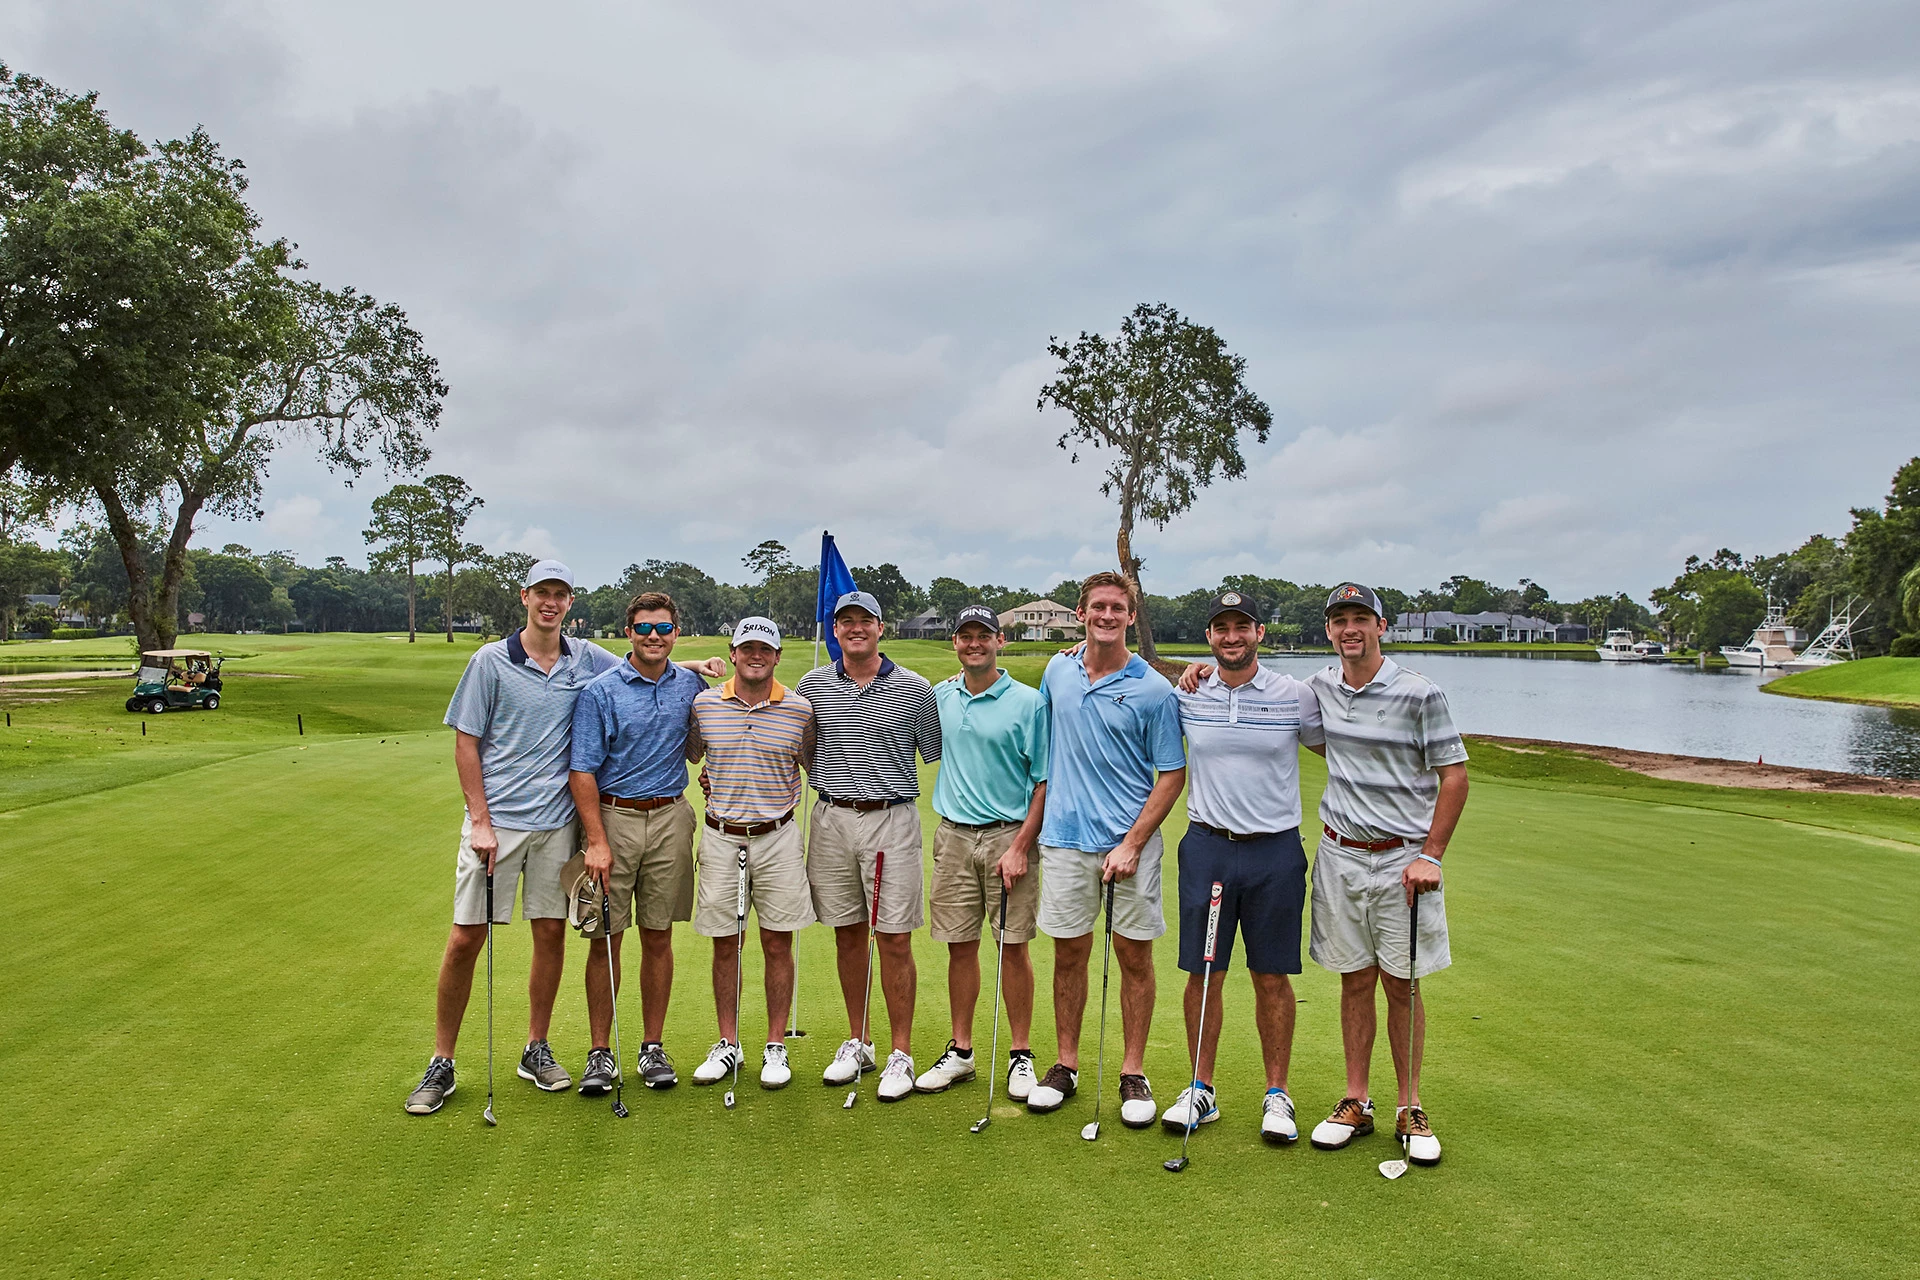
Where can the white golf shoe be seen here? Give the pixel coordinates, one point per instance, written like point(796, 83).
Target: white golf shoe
point(896, 1078)
point(719, 1064)
point(774, 1071)
point(1276, 1118)
point(1136, 1101)
point(953, 1066)
point(1411, 1124)
point(1195, 1106)
point(1020, 1077)
point(1353, 1118)
point(850, 1061)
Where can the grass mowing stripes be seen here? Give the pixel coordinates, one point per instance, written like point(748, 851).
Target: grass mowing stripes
point(1677, 1039)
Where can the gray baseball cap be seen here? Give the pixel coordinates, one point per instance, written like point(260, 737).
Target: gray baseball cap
point(856, 600)
point(1355, 593)
point(765, 630)
point(977, 613)
point(549, 571)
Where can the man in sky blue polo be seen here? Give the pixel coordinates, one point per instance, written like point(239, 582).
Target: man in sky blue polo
point(1115, 766)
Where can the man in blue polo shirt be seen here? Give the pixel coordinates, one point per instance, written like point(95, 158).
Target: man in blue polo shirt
point(1115, 766)
point(629, 770)
point(990, 796)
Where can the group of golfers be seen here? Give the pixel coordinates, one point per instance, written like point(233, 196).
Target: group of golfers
point(573, 764)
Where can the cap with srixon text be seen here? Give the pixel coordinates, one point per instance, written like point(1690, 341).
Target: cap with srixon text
point(1233, 602)
point(762, 629)
point(857, 600)
point(976, 613)
point(1354, 593)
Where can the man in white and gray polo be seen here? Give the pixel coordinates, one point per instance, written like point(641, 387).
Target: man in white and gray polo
point(871, 717)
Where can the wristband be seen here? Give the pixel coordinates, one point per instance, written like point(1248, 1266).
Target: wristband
point(1427, 857)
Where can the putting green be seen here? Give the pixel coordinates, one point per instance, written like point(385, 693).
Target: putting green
point(1678, 1038)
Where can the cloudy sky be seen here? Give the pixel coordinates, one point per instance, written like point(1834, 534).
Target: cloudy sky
point(1563, 291)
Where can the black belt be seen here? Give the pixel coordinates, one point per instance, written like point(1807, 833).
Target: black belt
point(748, 829)
point(979, 826)
point(1236, 836)
point(863, 806)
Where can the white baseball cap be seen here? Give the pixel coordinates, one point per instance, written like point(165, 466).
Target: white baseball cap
point(549, 571)
point(762, 629)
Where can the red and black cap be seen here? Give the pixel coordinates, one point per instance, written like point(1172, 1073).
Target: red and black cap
point(1354, 593)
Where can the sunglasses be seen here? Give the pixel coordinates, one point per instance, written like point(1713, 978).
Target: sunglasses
point(650, 628)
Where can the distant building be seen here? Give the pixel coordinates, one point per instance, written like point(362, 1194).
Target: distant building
point(1513, 628)
point(1034, 619)
point(1572, 633)
point(65, 615)
point(925, 626)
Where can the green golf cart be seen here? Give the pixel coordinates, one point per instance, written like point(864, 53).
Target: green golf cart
point(176, 680)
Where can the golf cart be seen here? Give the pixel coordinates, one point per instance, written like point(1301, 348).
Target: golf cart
point(176, 680)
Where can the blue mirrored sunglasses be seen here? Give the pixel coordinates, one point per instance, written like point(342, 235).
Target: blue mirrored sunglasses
point(651, 628)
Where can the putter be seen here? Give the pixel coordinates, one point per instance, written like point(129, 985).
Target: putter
point(488, 1113)
point(613, 994)
point(1200, 1028)
point(739, 975)
point(866, 1001)
point(1391, 1169)
point(993, 1059)
point(1092, 1129)
point(793, 1006)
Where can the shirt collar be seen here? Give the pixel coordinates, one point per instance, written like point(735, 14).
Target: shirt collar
point(886, 668)
point(1136, 666)
point(993, 690)
point(775, 694)
point(631, 674)
point(1383, 677)
point(517, 652)
point(1264, 678)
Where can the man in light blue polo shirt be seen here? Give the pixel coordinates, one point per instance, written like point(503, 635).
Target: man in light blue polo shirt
point(990, 796)
point(1115, 766)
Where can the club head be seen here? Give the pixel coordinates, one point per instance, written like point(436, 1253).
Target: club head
point(795, 1033)
point(487, 1115)
point(1391, 1169)
point(1175, 1165)
point(620, 1108)
point(1090, 1130)
point(851, 1095)
point(979, 1124)
point(728, 1099)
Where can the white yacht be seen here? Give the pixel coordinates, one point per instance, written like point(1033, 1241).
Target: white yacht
point(1830, 647)
point(1770, 645)
point(1649, 650)
point(1619, 647)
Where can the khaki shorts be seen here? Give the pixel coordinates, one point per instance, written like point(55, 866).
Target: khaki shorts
point(1071, 894)
point(652, 864)
point(532, 857)
point(1360, 912)
point(840, 861)
point(966, 888)
point(776, 882)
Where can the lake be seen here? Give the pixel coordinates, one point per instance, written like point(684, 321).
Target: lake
point(1671, 708)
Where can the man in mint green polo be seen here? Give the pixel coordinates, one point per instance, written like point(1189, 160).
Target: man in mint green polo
point(990, 795)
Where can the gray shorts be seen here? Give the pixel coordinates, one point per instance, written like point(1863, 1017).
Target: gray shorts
point(532, 857)
point(840, 865)
point(776, 882)
point(1360, 913)
point(1071, 894)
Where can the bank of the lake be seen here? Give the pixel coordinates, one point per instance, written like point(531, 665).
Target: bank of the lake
point(1878, 682)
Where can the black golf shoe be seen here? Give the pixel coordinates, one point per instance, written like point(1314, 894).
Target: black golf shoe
point(435, 1088)
point(537, 1065)
point(602, 1071)
point(656, 1068)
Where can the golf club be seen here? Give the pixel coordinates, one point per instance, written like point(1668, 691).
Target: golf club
point(1391, 1169)
point(793, 1006)
point(1092, 1129)
point(1200, 1028)
point(613, 996)
point(993, 1059)
point(488, 1113)
point(866, 1001)
point(739, 975)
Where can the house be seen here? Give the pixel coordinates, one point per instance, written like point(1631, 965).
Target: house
point(925, 626)
point(1036, 619)
point(63, 615)
point(1572, 633)
point(1513, 628)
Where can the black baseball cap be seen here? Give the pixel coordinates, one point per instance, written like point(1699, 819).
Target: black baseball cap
point(977, 613)
point(1355, 593)
point(1233, 602)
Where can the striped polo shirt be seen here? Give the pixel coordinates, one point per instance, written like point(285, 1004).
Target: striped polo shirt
point(867, 737)
point(753, 752)
point(1243, 750)
point(1384, 741)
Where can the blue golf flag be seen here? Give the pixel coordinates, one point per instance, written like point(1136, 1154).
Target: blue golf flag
point(835, 582)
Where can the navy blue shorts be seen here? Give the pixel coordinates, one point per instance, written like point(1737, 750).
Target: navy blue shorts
point(1264, 888)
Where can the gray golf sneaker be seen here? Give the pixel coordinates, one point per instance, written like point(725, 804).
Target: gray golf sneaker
point(435, 1088)
point(537, 1065)
point(656, 1068)
point(597, 1080)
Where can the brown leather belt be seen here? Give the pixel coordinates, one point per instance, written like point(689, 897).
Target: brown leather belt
point(864, 806)
point(638, 806)
point(1371, 846)
point(748, 829)
point(1236, 836)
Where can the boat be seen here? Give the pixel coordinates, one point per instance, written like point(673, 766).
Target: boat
point(1619, 647)
point(1650, 650)
point(1832, 646)
point(1770, 645)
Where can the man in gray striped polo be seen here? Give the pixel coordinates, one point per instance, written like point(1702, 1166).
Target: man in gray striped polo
point(870, 718)
point(1396, 784)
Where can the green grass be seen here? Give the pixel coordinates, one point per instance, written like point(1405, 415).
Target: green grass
point(1887, 682)
point(1677, 1039)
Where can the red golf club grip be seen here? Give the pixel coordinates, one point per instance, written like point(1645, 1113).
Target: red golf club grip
point(1213, 921)
point(879, 861)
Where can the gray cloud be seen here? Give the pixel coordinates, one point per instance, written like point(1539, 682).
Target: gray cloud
point(1557, 291)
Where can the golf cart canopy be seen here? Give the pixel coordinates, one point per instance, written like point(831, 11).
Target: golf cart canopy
point(176, 653)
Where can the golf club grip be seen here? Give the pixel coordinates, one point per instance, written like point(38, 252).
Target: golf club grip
point(742, 908)
point(879, 863)
point(1003, 909)
point(1413, 939)
point(1213, 921)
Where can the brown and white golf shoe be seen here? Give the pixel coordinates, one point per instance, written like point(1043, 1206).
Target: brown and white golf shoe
point(1353, 1118)
point(1411, 1126)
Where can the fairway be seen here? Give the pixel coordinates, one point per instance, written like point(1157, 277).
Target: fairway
point(1679, 1037)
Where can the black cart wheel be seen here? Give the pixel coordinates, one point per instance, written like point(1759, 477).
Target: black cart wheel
point(133, 704)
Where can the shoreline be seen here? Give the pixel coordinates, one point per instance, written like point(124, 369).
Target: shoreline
point(1718, 773)
point(1856, 699)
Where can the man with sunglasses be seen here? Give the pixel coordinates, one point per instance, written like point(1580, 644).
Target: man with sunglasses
point(629, 768)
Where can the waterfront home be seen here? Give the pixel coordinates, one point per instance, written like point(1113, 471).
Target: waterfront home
point(1513, 628)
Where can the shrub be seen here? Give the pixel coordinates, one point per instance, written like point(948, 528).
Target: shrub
point(1444, 635)
point(1905, 646)
point(74, 633)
